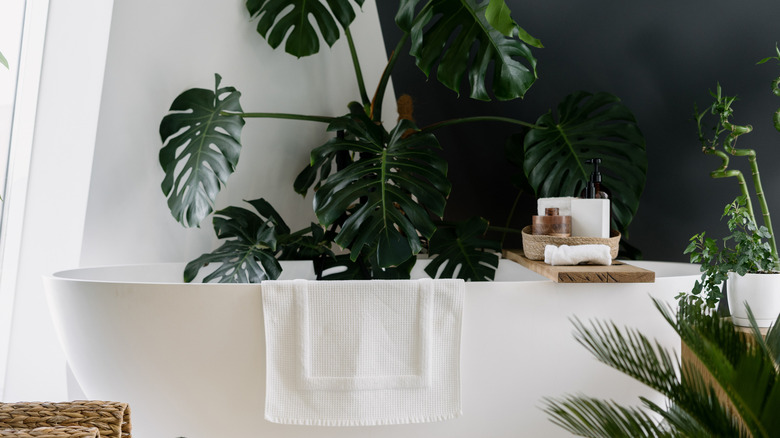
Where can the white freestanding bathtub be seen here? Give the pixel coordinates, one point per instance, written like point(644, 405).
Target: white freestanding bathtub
point(189, 358)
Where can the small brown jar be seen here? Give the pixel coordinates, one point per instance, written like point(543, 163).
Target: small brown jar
point(551, 224)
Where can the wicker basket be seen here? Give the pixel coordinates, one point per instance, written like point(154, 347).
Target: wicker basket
point(112, 419)
point(52, 432)
point(533, 245)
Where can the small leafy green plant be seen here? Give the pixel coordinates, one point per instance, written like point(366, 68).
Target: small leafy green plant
point(745, 249)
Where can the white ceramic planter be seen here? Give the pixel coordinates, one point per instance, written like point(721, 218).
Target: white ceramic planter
point(190, 358)
point(762, 294)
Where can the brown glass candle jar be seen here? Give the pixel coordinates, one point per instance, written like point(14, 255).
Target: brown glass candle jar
point(551, 224)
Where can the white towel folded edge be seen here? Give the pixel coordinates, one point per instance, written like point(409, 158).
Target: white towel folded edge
point(573, 255)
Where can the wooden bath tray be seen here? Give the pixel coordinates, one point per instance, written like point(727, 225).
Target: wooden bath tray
point(618, 272)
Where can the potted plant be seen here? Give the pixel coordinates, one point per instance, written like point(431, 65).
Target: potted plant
point(381, 194)
point(735, 391)
point(746, 263)
point(749, 267)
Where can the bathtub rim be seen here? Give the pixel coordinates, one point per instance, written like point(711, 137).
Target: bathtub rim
point(81, 274)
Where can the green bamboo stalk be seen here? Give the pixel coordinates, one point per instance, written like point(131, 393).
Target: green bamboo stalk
point(728, 145)
point(776, 92)
point(724, 172)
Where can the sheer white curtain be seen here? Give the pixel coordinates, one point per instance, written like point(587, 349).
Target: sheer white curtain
point(55, 121)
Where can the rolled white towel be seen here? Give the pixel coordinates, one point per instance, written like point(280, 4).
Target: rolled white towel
point(563, 205)
point(574, 255)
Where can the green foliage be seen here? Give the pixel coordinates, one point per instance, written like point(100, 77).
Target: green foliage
point(3, 61)
point(588, 126)
point(253, 242)
point(386, 193)
point(445, 32)
point(378, 193)
point(461, 249)
point(201, 149)
point(744, 367)
point(278, 19)
point(745, 249)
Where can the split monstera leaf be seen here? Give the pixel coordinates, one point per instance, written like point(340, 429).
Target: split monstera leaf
point(379, 194)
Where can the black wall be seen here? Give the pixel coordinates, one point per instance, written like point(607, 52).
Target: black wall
point(659, 58)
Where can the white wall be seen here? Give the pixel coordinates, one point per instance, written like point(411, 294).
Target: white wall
point(159, 49)
point(155, 51)
point(52, 210)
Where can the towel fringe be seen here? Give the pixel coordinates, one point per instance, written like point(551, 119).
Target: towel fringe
point(356, 423)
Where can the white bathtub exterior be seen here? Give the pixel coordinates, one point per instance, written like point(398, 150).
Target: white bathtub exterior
point(189, 358)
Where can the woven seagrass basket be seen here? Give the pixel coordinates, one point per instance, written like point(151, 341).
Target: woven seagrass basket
point(111, 419)
point(52, 432)
point(533, 244)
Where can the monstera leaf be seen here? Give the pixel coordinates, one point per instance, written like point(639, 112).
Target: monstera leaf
point(588, 126)
point(248, 255)
point(463, 247)
point(291, 18)
point(464, 24)
point(200, 150)
point(387, 192)
point(342, 267)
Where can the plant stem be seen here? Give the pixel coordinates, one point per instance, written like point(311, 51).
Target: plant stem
point(286, 116)
point(736, 131)
point(723, 172)
point(509, 217)
point(776, 92)
point(763, 204)
point(356, 63)
point(480, 119)
point(376, 103)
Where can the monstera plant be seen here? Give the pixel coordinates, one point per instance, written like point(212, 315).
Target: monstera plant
point(378, 193)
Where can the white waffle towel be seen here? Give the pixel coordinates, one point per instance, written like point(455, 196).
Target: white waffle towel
point(576, 254)
point(360, 353)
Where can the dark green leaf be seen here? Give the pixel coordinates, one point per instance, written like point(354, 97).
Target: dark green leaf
point(463, 249)
point(200, 150)
point(290, 19)
point(740, 398)
point(248, 253)
point(589, 126)
point(444, 32)
point(386, 193)
point(341, 267)
point(309, 246)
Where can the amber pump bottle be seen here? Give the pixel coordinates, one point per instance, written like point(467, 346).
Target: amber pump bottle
point(593, 188)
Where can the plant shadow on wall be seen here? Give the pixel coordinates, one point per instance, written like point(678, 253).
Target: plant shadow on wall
point(381, 194)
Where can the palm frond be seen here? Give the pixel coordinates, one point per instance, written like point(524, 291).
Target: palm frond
point(746, 376)
point(730, 386)
point(631, 353)
point(594, 418)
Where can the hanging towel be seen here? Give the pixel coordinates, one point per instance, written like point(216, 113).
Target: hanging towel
point(360, 353)
point(576, 254)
